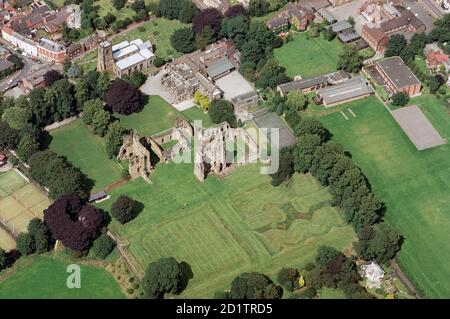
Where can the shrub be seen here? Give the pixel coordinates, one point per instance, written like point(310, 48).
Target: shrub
point(25, 244)
point(159, 62)
point(103, 246)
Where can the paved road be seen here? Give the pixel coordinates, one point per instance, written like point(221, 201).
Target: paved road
point(16, 77)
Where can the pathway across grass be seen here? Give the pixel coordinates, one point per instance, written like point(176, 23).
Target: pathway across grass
point(309, 57)
point(415, 185)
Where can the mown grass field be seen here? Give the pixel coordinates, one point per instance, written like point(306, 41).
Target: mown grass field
point(415, 185)
point(87, 152)
point(42, 277)
point(156, 116)
point(309, 57)
point(228, 226)
point(194, 113)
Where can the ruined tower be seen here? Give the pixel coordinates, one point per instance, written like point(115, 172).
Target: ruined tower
point(105, 59)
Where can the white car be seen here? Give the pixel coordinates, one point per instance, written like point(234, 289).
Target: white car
point(9, 82)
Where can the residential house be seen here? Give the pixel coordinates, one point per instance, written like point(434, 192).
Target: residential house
point(437, 59)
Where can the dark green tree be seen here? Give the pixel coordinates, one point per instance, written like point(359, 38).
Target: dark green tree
point(288, 277)
point(114, 139)
point(350, 60)
point(253, 285)
point(285, 168)
point(400, 99)
point(103, 246)
point(183, 40)
point(41, 235)
point(25, 244)
point(396, 44)
point(165, 275)
point(222, 111)
point(124, 209)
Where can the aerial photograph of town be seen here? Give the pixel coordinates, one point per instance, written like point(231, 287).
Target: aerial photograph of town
point(225, 150)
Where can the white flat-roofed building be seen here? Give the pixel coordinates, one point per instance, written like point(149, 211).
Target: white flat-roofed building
point(127, 56)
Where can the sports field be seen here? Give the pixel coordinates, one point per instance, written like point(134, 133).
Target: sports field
point(20, 202)
point(308, 57)
point(157, 116)
point(415, 185)
point(45, 278)
point(224, 227)
point(87, 152)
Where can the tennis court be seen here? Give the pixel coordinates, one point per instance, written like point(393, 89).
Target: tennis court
point(20, 202)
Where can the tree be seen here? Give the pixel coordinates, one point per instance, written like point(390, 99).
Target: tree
point(103, 246)
point(251, 52)
point(40, 234)
point(236, 28)
point(329, 34)
point(285, 169)
point(258, 8)
point(304, 151)
point(119, 4)
point(110, 19)
point(313, 31)
point(138, 5)
point(351, 20)
point(54, 172)
point(124, 209)
point(247, 70)
point(61, 97)
point(222, 111)
point(3, 259)
point(400, 99)
point(100, 122)
point(395, 46)
point(325, 255)
point(165, 275)
point(158, 62)
point(123, 98)
point(137, 78)
point(91, 107)
point(288, 277)
point(74, 222)
point(350, 60)
point(311, 126)
point(183, 40)
point(51, 77)
point(209, 17)
point(17, 117)
point(114, 139)
point(9, 137)
point(379, 242)
point(297, 101)
point(25, 244)
point(254, 285)
point(202, 101)
point(435, 82)
point(271, 75)
point(187, 11)
point(27, 146)
point(235, 10)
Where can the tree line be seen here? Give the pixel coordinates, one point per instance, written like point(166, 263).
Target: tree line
point(316, 153)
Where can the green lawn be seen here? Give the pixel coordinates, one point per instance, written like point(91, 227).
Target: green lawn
point(45, 278)
point(330, 293)
point(194, 113)
point(225, 227)
point(106, 6)
point(158, 32)
point(157, 116)
point(87, 152)
point(309, 57)
point(415, 185)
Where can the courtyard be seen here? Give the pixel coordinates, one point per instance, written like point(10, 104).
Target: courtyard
point(309, 57)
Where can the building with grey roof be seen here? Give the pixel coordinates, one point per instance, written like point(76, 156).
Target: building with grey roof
point(312, 84)
point(327, 15)
point(397, 76)
point(219, 68)
point(341, 26)
point(125, 57)
point(350, 90)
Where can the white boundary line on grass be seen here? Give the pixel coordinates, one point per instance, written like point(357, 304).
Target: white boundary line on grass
point(351, 112)
point(345, 116)
point(23, 176)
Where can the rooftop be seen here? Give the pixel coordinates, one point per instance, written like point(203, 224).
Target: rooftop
point(341, 26)
point(397, 71)
point(347, 90)
point(218, 67)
